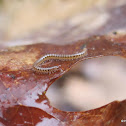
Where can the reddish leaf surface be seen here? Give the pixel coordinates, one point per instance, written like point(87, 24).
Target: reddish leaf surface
point(23, 98)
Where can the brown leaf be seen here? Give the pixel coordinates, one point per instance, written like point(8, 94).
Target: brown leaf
point(23, 92)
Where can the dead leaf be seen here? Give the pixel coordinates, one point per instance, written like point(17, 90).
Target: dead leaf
point(23, 92)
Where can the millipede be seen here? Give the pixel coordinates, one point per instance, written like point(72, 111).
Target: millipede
point(64, 57)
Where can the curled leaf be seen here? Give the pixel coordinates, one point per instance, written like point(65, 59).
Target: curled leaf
point(23, 91)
